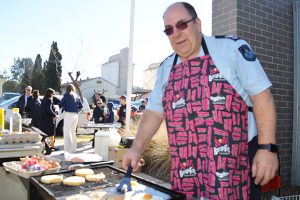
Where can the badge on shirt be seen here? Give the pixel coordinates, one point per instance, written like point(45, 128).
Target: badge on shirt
point(247, 53)
point(232, 37)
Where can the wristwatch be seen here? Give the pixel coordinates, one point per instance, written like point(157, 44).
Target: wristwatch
point(270, 147)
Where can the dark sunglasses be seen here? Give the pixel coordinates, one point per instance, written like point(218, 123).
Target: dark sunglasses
point(180, 25)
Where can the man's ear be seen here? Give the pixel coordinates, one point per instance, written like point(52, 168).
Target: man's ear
point(198, 22)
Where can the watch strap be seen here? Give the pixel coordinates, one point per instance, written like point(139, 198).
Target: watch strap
point(270, 147)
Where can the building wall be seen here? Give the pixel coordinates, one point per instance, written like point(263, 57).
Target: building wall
point(110, 72)
point(115, 70)
point(2, 80)
point(123, 71)
point(150, 76)
point(89, 86)
point(268, 27)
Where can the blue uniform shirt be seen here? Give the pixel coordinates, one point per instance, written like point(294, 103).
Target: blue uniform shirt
point(69, 105)
point(243, 72)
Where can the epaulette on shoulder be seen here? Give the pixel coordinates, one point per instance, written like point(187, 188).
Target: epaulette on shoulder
point(165, 60)
point(233, 37)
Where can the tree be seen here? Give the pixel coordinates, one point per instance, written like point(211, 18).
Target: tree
point(53, 69)
point(76, 84)
point(37, 78)
point(5, 74)
point(11, 86)
point(19, 67)
point(26, 77)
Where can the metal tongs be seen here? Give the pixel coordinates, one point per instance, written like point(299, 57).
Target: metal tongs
point(125, 181)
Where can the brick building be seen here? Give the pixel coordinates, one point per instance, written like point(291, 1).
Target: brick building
point(268, 27)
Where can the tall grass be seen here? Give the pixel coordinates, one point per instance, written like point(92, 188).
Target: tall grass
point(156, 155)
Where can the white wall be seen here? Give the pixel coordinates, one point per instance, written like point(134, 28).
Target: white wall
point(2, 80)
point(150, 76)
point(110, 72)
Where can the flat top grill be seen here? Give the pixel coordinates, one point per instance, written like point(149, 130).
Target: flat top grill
point(113, 177)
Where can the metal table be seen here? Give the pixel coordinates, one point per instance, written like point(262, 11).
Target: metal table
point(100, 125)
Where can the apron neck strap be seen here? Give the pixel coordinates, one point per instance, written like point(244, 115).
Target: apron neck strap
point(203, 44)
point(175, 59)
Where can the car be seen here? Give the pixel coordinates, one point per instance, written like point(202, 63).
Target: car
point(116, 103)
point(8, 95)
point(83, 115)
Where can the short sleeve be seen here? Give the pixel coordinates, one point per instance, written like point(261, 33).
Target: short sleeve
point(249, 70)
point(162, 76)
point(155, 97)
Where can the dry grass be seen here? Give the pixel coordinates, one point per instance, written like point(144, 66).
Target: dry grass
point(156, 155)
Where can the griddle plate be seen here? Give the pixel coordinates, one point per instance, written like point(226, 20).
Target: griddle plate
point(113, 177)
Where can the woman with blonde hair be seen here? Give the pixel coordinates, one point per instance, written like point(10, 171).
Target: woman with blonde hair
point(71, 105)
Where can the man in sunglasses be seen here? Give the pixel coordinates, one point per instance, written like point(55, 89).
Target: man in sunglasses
point(210, 91)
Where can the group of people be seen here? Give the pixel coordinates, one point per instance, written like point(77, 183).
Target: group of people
point(103, 111)
point(44, 113)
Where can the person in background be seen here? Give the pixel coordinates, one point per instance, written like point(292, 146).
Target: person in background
point(98, 113)
point(34, 108)
point(98, 116)
point(121, 111)
point(24, 100)
point(109, 117)
point(97, 96)
point(71, 105)
point(48, 116)
point(220, 114)
point(142, 107)
point(56, 101)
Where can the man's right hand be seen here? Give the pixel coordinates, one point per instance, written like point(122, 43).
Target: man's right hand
point(149, 124)
point(131, 157)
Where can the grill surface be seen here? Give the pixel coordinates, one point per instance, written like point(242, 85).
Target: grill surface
point(38, 190)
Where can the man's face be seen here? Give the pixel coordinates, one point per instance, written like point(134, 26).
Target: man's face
point(99, 103)
point(186, 43)
point(27, 92)
point(122, 101)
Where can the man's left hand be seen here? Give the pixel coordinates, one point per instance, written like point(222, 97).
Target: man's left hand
point(264, 167)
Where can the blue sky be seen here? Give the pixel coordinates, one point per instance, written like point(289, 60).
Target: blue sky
point(88, 32)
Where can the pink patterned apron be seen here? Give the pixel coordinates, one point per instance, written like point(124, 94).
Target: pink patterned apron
point(207, 131)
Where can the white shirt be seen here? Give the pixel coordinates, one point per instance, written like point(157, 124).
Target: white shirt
point(247, 77)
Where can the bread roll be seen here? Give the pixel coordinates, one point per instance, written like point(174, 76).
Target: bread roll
point(83, 172)
point(49, 179)
point(74, 181)
point(78, 197)
point(116, 197)
point(95, 177)
point(98, 195)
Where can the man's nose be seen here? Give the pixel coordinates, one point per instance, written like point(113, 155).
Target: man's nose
point(176, 32)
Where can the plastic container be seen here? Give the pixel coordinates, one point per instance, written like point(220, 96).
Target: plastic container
point(102, 142)
point(15, 121)
point(1, 121)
